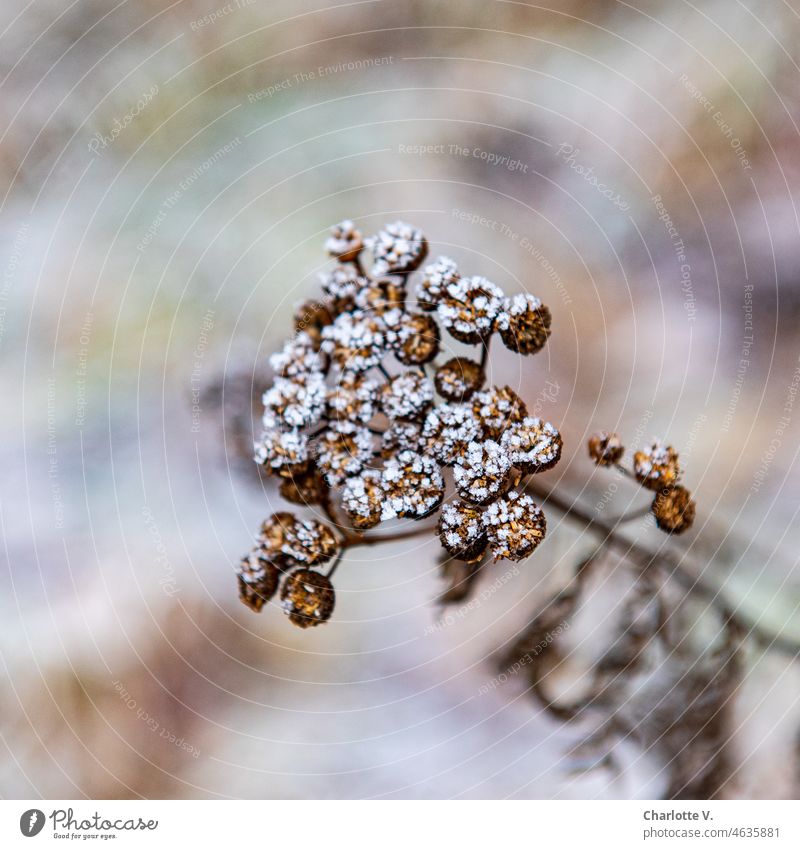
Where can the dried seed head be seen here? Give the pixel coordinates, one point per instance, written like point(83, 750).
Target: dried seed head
point(515, 525)
point(605, 448)
point(298, 358)
point(448, 430)
point(409, 395)
point(272, 537)
point(308, 598)
point(385, 298)
point(469, 307)
point(305, 487)
point(308, 542)
point(459, 379)
point(295, 402)
point(532, 445)
point(417, 339)
point(352, 399)
point(674, 509)
point(342, 451)
point(356, 341)
point(282, 451)
point(496, 409)
point(435, 277)
point(257, 578)
point(413, 486)
point(341, 287)
point(656, 467)
point(481, 474)
point(310, 317)
point(345, 241)
point(401, 436)
point(362, 497)
point(461, 531)
point(397, 249)
point(524, 324)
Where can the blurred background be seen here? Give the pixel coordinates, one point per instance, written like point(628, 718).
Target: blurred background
point(169, 171)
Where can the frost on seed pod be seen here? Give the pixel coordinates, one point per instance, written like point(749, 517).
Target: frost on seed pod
point(481, 473)
point(496, 409)
point(345, 241)
point(401, 435)
point(407, 396)
point(341, 286)
point(532, 445)
point(257, 578)
point(385, 298)
point(469, 307)
point(356, 341)
point(342, 452)
point(308, 598)
point(524, 324)
point(448, 430)
point(461, 531)
point(298, 358)
point(362, 499)
point(605, 448)
point(674, 509)
point(308, 542)
point(459, 379)
point(656, 467)
point(435, 277)
point(352, 399)
point(272, 537)
point(397, 249)
point(295, 401)
point(305, 487)
point(413, 486)
point(283, 452)
point(417, 339)
point(515, 525)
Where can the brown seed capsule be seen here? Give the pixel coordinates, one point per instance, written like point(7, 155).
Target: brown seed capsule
point(469, 307)
point(310, 317)
point(294, 401)
point(397, 249)
point(258, 579)
point(656, 467)
point(352, 399)
point(413, 486)
point(306, 487)
point(308, 598)
point(385, 298)
point(345, 241)
point(481, 474)
point(356, 341)
point(308, 542)
point(435, 278)
point(532, 445)
point(342, 451)
point(461, 531)
point(417, 339)
point(299, 358)
point(448, 430)
point(341, 286)
point(408, 395)
point(401, 436)
point(515, 526)
point(459, 379)
point(495, 409)
point(282, 452)
point(674, 509)
point(605, 448)
point(362, 498)
point(272, 537)
point(524, 324)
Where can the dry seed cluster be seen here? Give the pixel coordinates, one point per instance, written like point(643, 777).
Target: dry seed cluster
point(361, 418)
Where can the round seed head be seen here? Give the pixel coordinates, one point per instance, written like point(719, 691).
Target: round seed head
point(413, 486)
point(310, 317)
point(272, 537)
point(356, 341)
point(515, 525)
point(295, 401)
point(674, 509)
point(459, 379)
point(605, 448)
point(656, 467)
point(345, 241)
point(341, 286)
point(461, 531)
point(532, 445)
point(397, 249)
point(409, 395)
point(481, 473)
point(308, 542)
point(401, 436)
point(308, 598)
point(496, 409)
point(524, 324)
point(306, 487)
point(385, 298)
point(469, 307)
point(257, 578)
point(417, 339)
point(362, 497)
point(342, 451)
point(435, 278)
point(352, 399)
point(448, 430)
point(284, 452)
point(298, 358)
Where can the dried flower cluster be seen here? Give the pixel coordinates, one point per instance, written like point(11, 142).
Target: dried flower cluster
point(361, 418)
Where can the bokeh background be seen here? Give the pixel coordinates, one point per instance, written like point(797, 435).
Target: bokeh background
point(168, 173)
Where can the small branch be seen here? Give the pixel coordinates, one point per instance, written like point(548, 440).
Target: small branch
point(400, 535)
point(485, 353)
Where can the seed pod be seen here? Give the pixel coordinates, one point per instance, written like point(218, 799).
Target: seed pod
point(308, 542)
point(283, 452)
point(409, 395)
point(295, 401)
point(308, 598)
point(397, 249)
point(356, 341)
point(401, 436)
point(459, 379)
point(674, 509)
point(481, 473)
point(362, 497)
point(462, 532)
point(340, 287)
point(605, 448)
point(417, 339)
point(524, 324)
point(496, 409)
point(257, 578)
point(532, 445)
point(469, 307)
point(299, 358)
point(448, 430)
point(515, 526)
point(306, 487)
point(656, 467)
point(435, 278)
point(345, 241)
point(385, 298)
point(413, 486)
point(310, 317)
point(352, 399)
point(272, 538)
point(342, 451)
